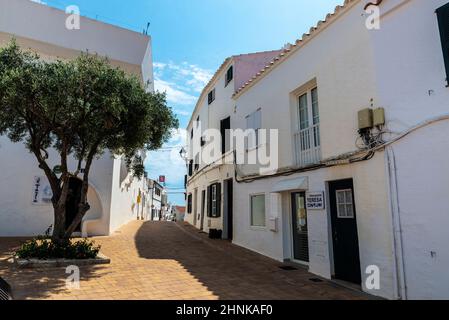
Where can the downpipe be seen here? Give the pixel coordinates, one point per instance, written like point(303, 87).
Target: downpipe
point(401, 281)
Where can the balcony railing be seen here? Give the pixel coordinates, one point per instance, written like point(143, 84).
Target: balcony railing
point(307, 146)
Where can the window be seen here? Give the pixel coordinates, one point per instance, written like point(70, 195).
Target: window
point(258, 211)
point(157, 191)
point(190, 168)
point(191, 134)
point(307, 136)
point(254, 122)
point(197, 162)
point(189, 203)
point(443, 21)
point(214, 200)
point(229, 75)
point(225, 126)
point(211, 96)
point(345, 204)
point(198, 122)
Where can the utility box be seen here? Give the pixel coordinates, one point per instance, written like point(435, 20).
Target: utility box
point(379, 117)
point(366, 118)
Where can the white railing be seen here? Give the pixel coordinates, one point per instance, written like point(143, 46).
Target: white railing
point(307, 146)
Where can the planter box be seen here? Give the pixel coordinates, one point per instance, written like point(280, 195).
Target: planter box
point(55, 263)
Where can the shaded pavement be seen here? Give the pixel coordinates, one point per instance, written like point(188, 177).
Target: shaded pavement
point(165, 260)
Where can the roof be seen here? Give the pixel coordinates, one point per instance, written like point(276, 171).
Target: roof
point(217, 73)
point(289, 50)
point(180, 209)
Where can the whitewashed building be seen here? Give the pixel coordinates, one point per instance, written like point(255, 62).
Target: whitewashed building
point(209, 185)
point(114, 195)
point(360, 192)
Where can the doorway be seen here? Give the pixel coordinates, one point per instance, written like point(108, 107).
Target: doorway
point(72, 202)
point(229, 219)
point(344, 231)
point(300, 227)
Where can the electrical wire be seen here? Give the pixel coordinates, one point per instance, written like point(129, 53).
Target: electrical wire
point(348, 158)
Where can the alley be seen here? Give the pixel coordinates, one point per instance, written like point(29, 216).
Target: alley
point(165, 260)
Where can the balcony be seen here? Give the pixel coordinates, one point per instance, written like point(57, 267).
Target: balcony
point(308, 146)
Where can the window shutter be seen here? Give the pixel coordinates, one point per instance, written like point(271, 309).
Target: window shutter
point(443, 22)
point(209, 201)
point(218, 202)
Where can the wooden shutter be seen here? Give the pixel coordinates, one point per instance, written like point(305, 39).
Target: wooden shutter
point(209, 201)
point(443, 22)
point(218, 202)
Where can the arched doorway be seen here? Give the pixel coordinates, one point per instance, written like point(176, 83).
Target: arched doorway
point(72, 202)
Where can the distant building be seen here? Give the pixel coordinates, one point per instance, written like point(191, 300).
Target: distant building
point(157, 200)
point(179, 213)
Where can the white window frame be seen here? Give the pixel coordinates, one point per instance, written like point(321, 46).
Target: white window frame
point(307, 139)
point(346, 203)
point(264, 227)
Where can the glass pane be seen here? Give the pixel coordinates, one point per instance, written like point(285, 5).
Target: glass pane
point(341, 197)
point(316, 136)
point(315, 111)
point(301, 213)
point(349, 211)
point(303, 112)
point(349, 197)
point(258, 211)
point(341, 211)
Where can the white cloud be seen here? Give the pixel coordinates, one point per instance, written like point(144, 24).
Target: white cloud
point(174, 94)
point(188, 76)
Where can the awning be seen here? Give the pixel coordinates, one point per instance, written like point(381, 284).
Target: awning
point(292, 184)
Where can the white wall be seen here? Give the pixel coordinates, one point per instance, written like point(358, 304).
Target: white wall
point(412, 87)
point(19, 217)
point(42, 29)
point(340, 59)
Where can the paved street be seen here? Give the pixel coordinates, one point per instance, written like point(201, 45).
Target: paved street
point(163, 260)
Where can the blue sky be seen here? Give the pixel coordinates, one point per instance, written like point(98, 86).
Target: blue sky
point(191, 38)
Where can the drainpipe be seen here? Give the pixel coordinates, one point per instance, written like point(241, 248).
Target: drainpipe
point(401, 281)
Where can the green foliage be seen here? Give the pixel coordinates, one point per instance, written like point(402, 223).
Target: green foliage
point(44, 248)
point(81, 107)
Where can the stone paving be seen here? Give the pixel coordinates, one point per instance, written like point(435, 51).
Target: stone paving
point(170, 261)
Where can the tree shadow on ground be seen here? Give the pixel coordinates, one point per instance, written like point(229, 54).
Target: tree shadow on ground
point(228, 271)
point(37, 283)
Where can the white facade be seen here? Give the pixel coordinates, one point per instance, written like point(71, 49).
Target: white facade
point(400, 198)
point(113, 193)
point(210, 115)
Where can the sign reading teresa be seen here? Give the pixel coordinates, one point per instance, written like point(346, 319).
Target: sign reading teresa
point(315, 200)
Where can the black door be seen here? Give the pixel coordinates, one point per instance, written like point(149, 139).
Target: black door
point(344, 231)
point(72, 203)
point(225, 126)
point(300, 230)
point(230, 222)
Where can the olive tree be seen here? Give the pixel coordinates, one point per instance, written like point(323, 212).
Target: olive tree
point(81, 108)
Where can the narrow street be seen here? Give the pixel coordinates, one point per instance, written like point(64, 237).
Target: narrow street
point(164, 260)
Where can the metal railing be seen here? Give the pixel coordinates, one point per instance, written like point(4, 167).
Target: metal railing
point(308, 146)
